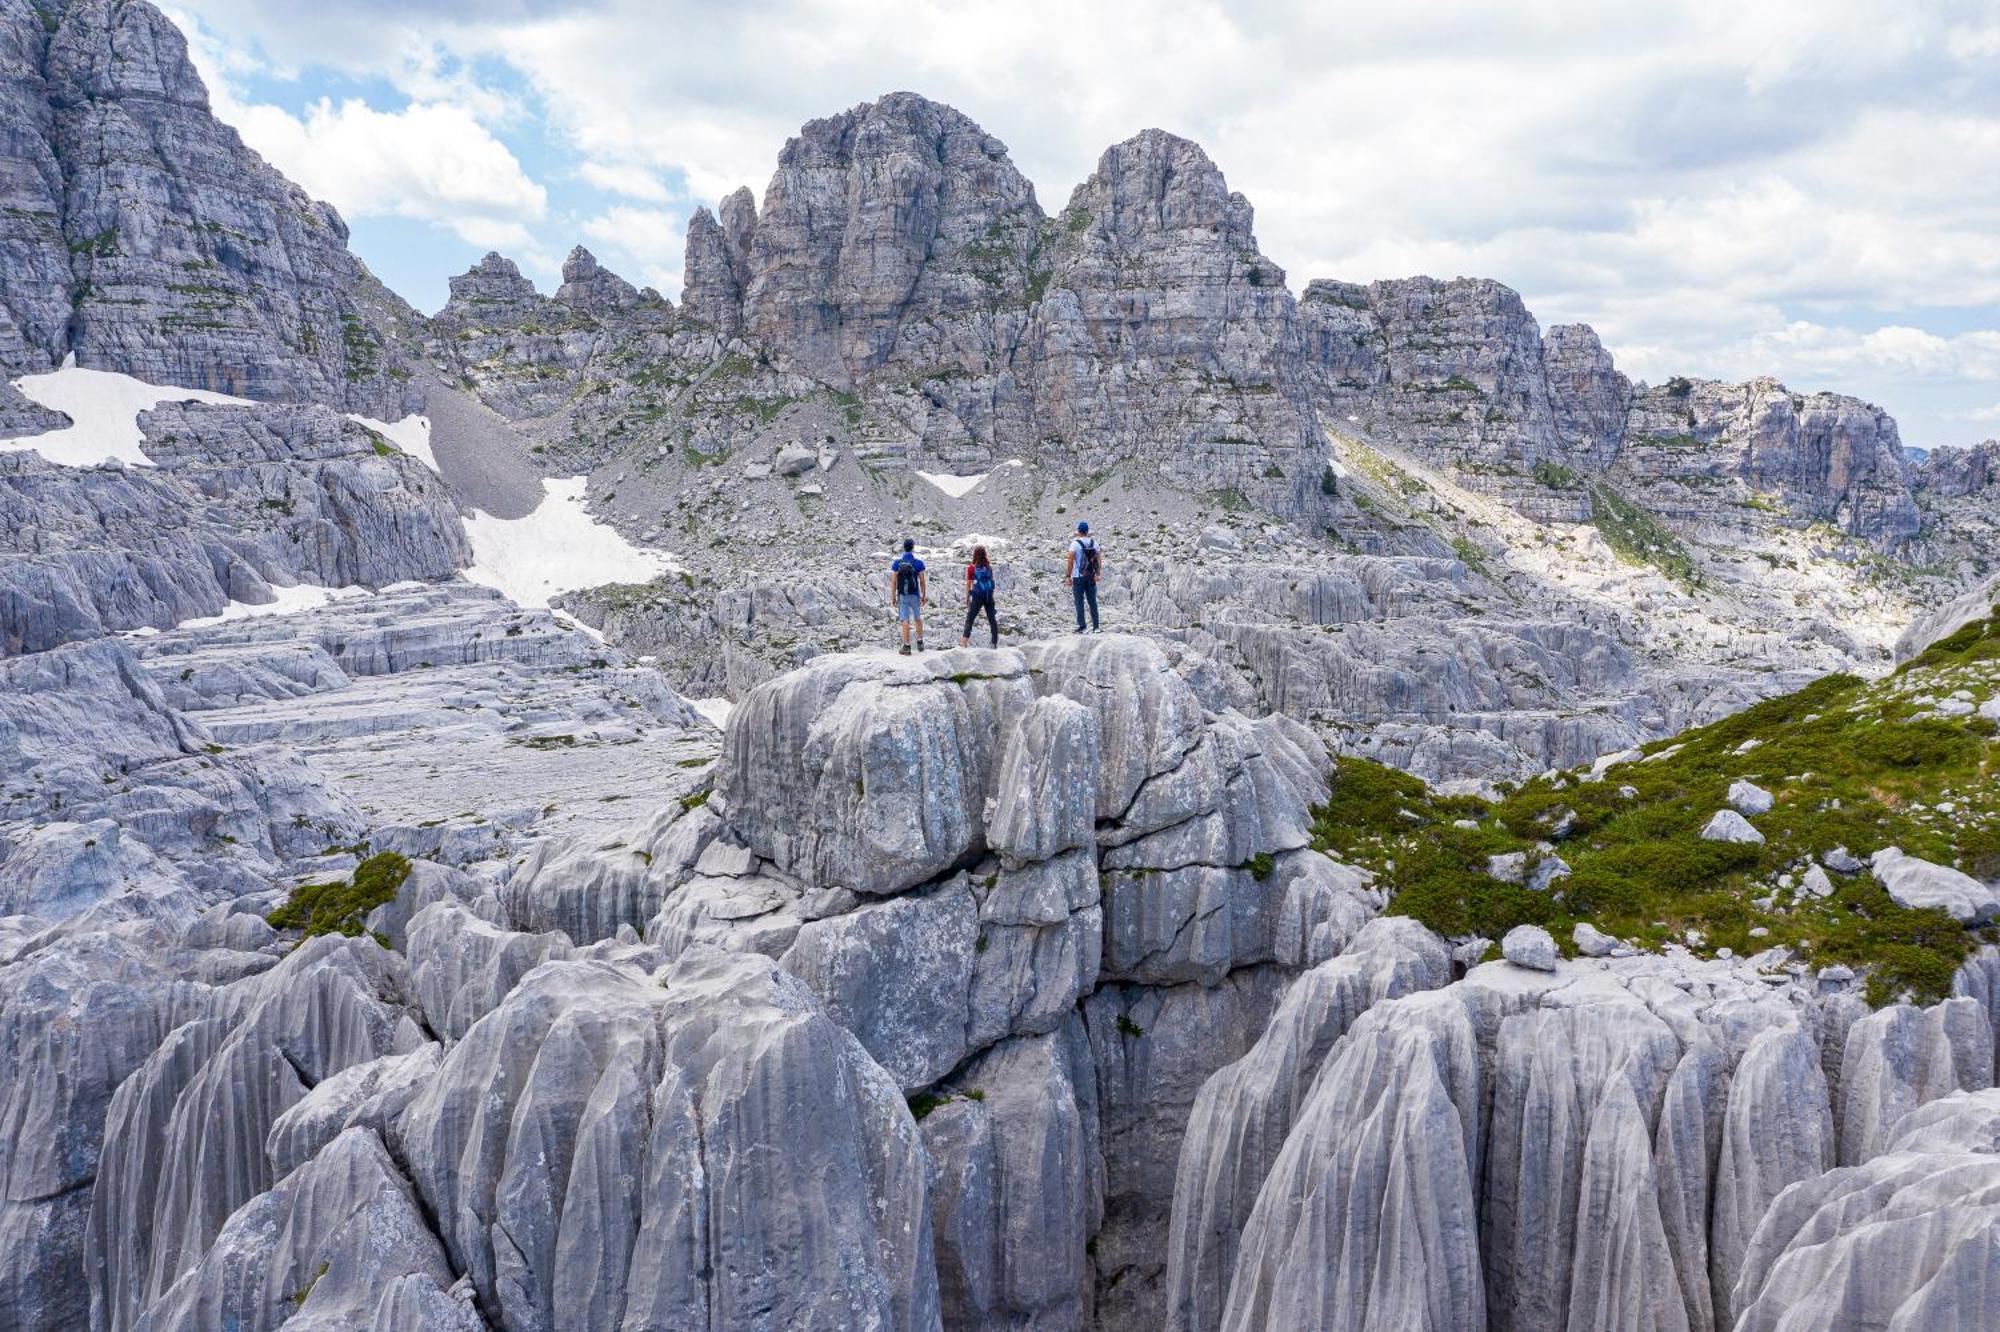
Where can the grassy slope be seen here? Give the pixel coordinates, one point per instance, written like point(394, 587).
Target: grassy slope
point(1851, 764)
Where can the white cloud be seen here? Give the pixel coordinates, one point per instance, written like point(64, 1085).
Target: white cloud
point(1823, 352)
point(634, 182)
point(642, 244)
point(433, 162)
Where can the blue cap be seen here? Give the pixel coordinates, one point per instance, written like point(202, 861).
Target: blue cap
point(909, 543)
point(1083, 527)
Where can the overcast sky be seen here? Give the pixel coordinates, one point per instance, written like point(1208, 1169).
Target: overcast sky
point(1806, 188)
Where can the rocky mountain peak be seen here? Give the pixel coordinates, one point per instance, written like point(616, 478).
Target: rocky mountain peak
point(717, 263)
point(1155, 183)
point(861, 205)
point(492, 289)
point(592, 288)
point(110, 49)
point(1588, 395)
point(1960, 471)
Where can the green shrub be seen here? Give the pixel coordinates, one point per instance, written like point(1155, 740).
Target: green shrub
point(1556, 476)
point(342, 907)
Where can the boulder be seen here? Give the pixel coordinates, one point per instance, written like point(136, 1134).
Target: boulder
point(1919, 883)
point(1729, 826)
point(1815, 883)
point(869, 773)
point(1591, 941)
point(795, 460)
point(1530, 946)
point(1749, 799)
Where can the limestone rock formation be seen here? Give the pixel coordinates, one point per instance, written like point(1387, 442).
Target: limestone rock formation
point(1593, 1148)
point(840, 254)
point(1903, 1239)
point(778, 1174)
point(589, 286)
point(981, 988)
point(1048, 891)
point(718, 262)
point(240, 500)
point(898, 245)
point(1826, 456)
point(1245, 1112)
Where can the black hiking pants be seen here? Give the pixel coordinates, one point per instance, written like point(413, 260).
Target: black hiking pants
point(974, 603)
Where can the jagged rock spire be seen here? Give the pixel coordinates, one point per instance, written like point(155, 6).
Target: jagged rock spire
point(590, 287)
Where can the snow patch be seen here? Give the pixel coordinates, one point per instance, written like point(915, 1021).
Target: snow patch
point(557, 548)
point(412, 435)
point(103, 408)
point(285, 601)
point(958, 487)
point(716, 710)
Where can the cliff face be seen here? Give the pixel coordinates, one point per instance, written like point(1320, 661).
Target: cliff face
point(1826, 456)
point(139, 234)
point(1459, 373)
point(1164, 334)
point(895, 216)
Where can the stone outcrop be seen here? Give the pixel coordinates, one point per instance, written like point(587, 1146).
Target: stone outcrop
point(592, 288)
point(1048, 891)
point(35, 272)
point(1458, 372)
point(1588, 396)
point(1245, 1112)
point(777, 1174)
point(1957, 472)
point(1828, 457)
point(718, 262)
point(1903, 1239)
point(1156, 228)
point(841, 253)
point(179, 1069)
point(1445, 367)
point(983, 988)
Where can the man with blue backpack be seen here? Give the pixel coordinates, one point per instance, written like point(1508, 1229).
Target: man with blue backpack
point(908, 589)
point(979, 596)
point(1085, 563)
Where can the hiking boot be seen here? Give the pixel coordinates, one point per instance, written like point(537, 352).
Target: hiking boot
point(920, 645)
point(904, 650)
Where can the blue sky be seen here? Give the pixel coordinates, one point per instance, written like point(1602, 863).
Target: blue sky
point(1804, 188)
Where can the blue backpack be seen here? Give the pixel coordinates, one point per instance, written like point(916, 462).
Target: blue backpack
point(982, 580)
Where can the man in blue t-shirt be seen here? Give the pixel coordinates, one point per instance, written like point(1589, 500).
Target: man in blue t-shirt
point(908, 588)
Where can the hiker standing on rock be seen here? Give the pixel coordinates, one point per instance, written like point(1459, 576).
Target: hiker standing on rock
point(1085, 563)
point(908, 588)
point(979, 596)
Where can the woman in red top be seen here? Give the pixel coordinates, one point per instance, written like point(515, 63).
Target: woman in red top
point(979, 596)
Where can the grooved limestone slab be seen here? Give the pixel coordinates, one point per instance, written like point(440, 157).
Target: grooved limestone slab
point(704, 1149)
